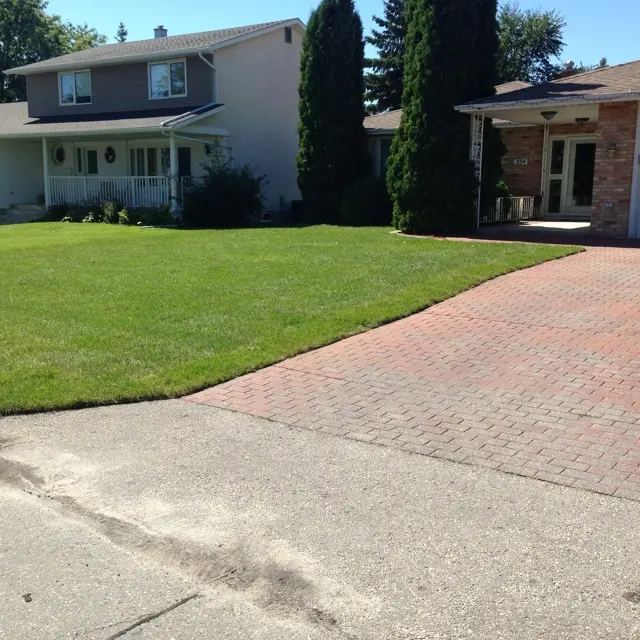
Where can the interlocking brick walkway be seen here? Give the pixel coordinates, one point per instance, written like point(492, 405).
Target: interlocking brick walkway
point(535, 373)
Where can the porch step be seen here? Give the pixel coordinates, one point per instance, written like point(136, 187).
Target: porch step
point(19, 213)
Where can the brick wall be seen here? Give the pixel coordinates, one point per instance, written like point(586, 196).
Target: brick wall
point(614, 170)
point(526, 142)
point(523, 142)
point(573, 129)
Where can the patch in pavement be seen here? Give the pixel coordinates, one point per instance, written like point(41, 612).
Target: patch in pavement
point(279, 591)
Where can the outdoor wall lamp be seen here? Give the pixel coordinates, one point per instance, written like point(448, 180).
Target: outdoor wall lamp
point(582, 120)
point(548, 115)
point(611, 149)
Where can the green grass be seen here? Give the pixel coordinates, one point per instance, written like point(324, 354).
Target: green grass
point(95, 314)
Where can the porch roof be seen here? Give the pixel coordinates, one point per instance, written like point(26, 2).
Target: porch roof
point(387, 123)
point(617, 83)
point(16, 123)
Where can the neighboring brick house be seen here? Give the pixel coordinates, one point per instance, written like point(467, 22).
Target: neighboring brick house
point(574, 142)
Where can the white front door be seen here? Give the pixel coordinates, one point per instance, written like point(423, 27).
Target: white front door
point(571, 172)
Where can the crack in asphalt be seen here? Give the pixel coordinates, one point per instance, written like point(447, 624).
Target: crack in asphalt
point(153, 616)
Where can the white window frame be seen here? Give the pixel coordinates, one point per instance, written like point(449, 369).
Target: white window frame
point(141, 144)
point(73, 73)
point(168, 62)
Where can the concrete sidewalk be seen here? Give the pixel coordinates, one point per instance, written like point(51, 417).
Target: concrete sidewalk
point(110, 517)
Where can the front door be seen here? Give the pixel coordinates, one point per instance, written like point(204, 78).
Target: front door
point(582, 164)
point(571, 172)
point(86, 161)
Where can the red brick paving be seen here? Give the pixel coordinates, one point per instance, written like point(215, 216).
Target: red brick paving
point(536, 373)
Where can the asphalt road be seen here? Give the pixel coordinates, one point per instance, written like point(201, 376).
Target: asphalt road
point(172, 520)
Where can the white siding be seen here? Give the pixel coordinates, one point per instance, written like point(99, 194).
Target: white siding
point(258, 82)
point(21, 177)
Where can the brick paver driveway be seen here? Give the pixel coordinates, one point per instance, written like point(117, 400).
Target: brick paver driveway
point(535, 373)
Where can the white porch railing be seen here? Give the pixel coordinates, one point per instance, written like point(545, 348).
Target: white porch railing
point(514, 210)
point(129, 191)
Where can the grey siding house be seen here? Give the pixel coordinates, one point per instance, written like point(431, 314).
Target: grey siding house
point(131, 121)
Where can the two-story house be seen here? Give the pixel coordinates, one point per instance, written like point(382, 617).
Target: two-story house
point(129, 121)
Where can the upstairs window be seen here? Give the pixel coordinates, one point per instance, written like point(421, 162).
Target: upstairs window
point(288, 35)
point(75, 87)
point(167, 79)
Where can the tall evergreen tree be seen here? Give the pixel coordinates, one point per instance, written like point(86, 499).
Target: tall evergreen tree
point(122, 33)
point(333, 146)
point(487, 51)
point(384, 82)
point(430, 177)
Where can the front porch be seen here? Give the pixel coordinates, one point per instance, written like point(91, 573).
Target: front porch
point(137, 172)
point(567, 163)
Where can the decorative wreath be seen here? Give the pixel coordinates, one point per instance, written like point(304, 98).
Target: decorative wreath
point(110, 155)
point(58, 154)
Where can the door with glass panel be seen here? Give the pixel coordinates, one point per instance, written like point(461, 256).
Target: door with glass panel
point(571, 173)
point(582, 162)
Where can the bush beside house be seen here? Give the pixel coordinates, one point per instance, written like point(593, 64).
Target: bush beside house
point(225, 197)
point(366, 203)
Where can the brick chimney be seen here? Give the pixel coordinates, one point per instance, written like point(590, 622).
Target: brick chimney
point(569, 69)
point(159, 32)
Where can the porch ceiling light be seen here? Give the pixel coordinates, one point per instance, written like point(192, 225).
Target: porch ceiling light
point(582, 120)
point(548, 115)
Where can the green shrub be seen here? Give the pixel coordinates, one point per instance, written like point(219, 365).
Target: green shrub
point(502, 191)
point(225, 197)
point(151, 216)
point(108, 213)
point(367, 203)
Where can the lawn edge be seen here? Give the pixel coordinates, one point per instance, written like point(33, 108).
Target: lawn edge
point(73, 406)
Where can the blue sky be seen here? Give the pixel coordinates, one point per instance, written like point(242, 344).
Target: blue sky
point(593, 29)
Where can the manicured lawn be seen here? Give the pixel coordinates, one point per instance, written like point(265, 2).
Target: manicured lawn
point(97, 314)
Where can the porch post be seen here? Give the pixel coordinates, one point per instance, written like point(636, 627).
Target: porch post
point(477, 146)
point(45, 169)
point(173, 172)
point(634, 205)
point(545, 169)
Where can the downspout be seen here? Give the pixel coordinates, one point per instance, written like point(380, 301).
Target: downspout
point(215, 75)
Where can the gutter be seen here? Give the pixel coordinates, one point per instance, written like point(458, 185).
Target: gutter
point(190, 117)
point(619, 96)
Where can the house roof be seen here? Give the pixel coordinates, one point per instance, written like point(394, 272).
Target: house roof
point(592, 86)
point(389, 121)
point(152, 48)
point(15, 121)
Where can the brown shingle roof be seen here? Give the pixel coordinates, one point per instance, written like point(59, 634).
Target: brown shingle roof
point(381, 122)
point(389, 121)
point(620, 78)
point(514, 85)
point(189, 42)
